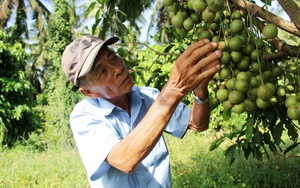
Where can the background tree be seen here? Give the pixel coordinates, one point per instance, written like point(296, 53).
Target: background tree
point(17, 119)
point(26, 22)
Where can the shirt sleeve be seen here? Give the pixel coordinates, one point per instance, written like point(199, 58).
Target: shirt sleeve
point(178, 124)
point(94, 138)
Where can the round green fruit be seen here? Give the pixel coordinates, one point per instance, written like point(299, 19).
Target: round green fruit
point(236, 15)
point(230, 83)
point(241, 85)
point(224, 73)
point(205, 34)
point(182, 32)
point(199, 6)
point(242, 75)
point(227, 104)
point(208, 16)
point(264, 92)
point(222, 94)
point(215, 5)
point(291, 101)
point(247, 49)
point(236, 56)
point(235, 97)
point(237, 26)
point(235, 43)
point(195, 17)
point(190, 4)
point(239, 108)
point(250, 105)
point(188, 24)
point(262, 104)
point(225, 58)
point(270, 31)
point(293, 112)
point(168, 2)
point(177, 21)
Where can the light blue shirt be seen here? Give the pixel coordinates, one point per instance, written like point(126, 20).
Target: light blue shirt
point(98, 125)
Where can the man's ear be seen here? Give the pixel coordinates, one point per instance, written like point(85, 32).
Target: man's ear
point(87, 92)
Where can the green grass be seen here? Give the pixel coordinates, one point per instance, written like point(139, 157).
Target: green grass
point(192, 166)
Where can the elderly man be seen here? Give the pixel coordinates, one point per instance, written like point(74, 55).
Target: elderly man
point(119, 127)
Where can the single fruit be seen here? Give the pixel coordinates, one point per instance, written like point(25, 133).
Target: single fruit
point(281, 91)
point(270, 31)
point(236, 56)
point(208, 16)
point(190, 4)
point(215, 5)
point(235, 43)
point(205, 34)
point(177, 21)
point(225, 58)
point(252, 93)
point(242, 75)
point(228, 105)
point(253, 82)
point(256, 54)
point(235, 97)
point(199, 5)
point(291, 100)
point(168, 2)
point(236, 15)
point(265, 92)
point(243, 64)
point(241, 85)
point(230, 83)
point(188, 24)
point(195, 17)
point(250, 105)
point(247, 49)
point(262, 104)
point(293, 112)
point(224, 73)
point(237, 26)
point(222, 94)
point(239, 108)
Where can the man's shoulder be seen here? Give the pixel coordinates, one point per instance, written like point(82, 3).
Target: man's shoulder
point(145, 90)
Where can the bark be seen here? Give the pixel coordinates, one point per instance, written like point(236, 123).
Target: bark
point(292, 10)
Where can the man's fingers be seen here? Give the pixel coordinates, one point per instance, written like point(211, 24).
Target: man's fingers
point(209, 60)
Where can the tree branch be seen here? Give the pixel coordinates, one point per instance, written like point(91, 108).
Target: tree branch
point(268, 16)
point(155, 51)
point(293, 11)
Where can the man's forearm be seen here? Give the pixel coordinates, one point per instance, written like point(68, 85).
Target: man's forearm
point(199, 118)
point(137, 144)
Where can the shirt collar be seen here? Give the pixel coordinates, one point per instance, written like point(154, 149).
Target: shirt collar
point(107, 107)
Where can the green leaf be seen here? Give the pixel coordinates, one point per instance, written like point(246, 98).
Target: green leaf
point(89, 9)
point(216, 143)
point(230, 153)
point(291, 147)
point(277, 132)
point(257, 137)
point(249, 130)
point(292, 132)
point(226, 114)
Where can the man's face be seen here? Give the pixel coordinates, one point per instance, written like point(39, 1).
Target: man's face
point(109, 78)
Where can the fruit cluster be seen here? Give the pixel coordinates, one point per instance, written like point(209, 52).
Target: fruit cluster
point(246, 82)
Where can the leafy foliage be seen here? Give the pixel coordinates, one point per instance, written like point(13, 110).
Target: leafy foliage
point(17, 119)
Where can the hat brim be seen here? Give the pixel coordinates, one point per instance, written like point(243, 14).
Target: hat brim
point(88, 63)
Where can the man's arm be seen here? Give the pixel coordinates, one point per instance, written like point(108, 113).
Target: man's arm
point(188, 71)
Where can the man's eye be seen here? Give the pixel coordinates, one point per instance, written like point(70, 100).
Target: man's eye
point(103, 71)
